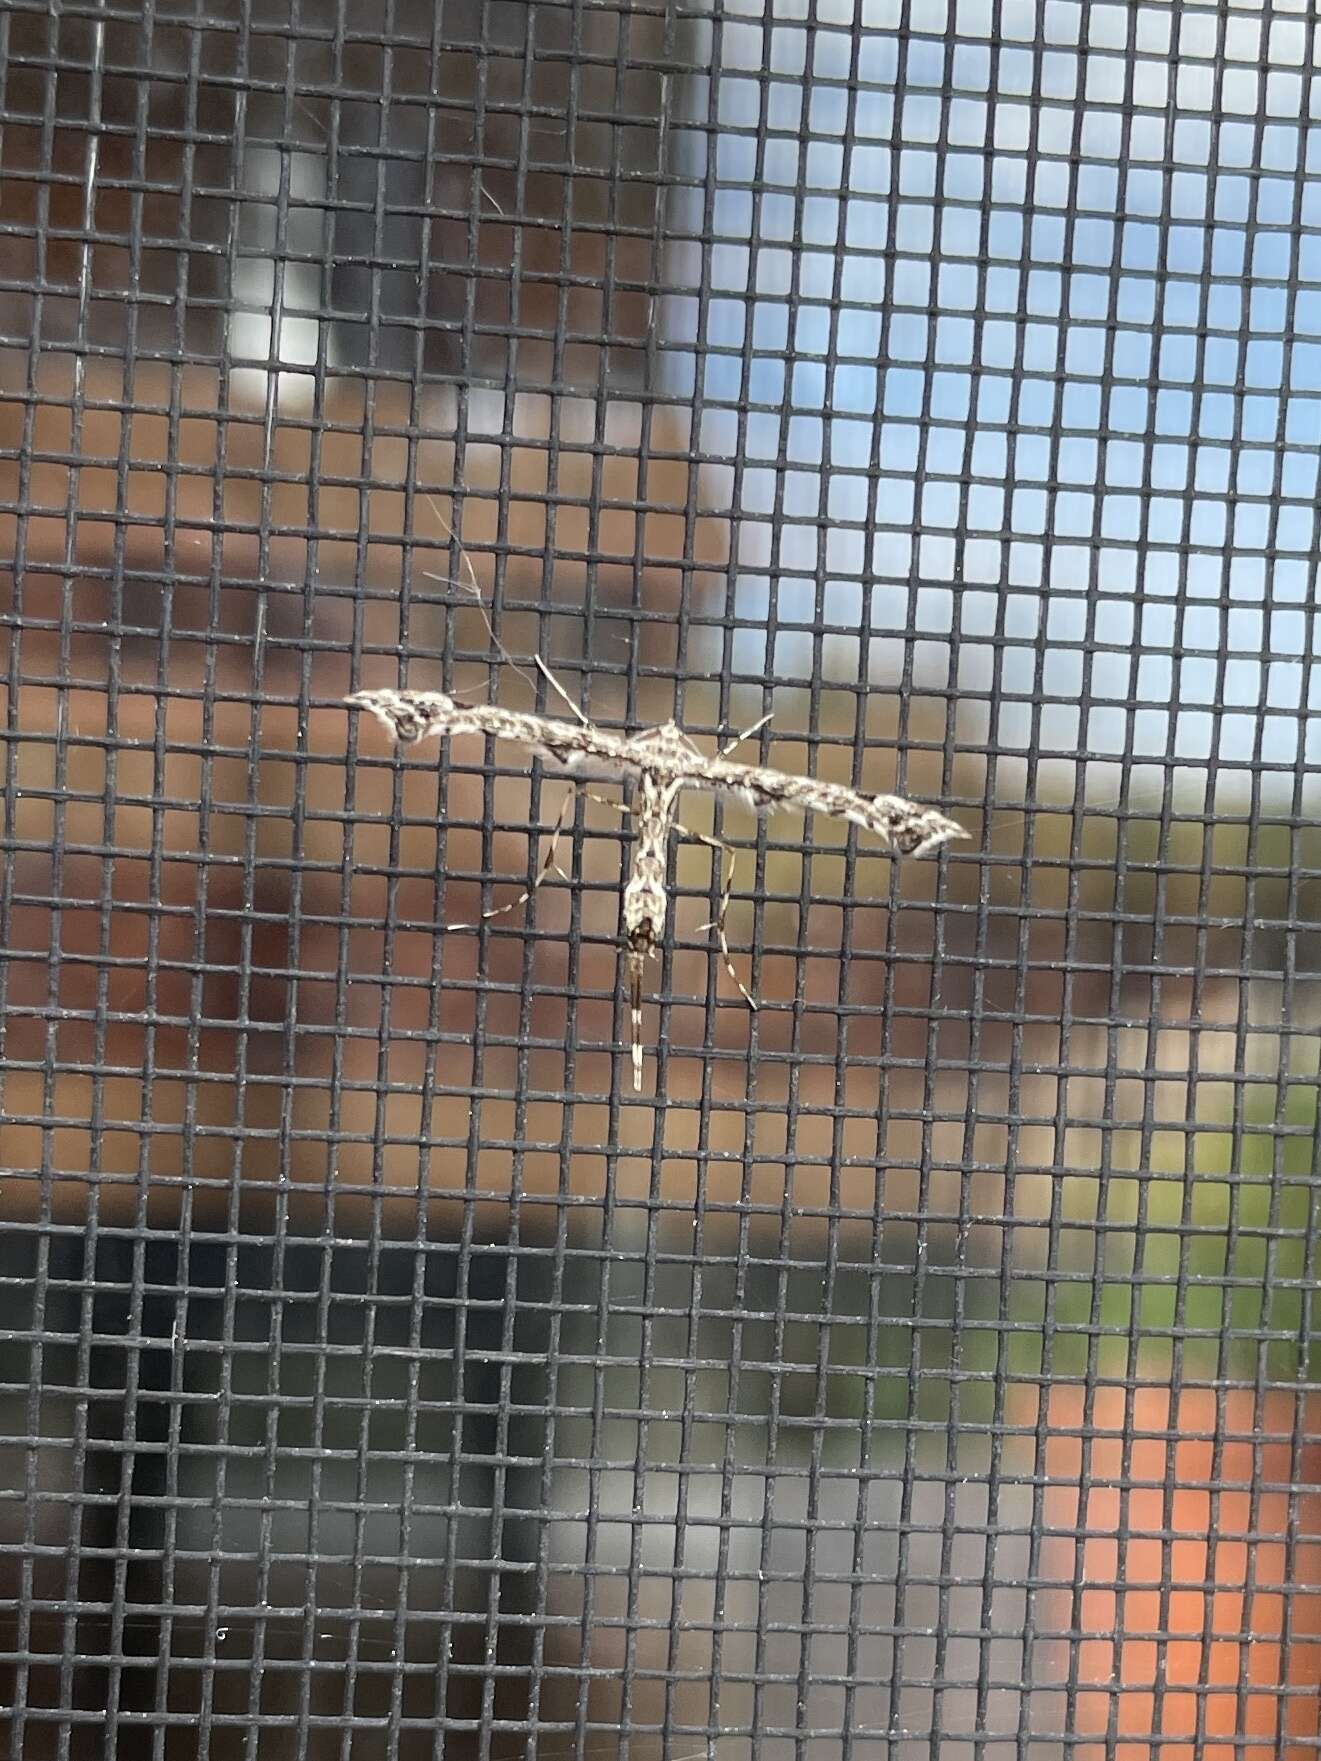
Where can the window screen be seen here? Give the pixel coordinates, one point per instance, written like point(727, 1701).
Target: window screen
point(921, 1363)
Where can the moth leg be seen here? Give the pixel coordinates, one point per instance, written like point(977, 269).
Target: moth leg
point(621, 807)
point(556, 686)
point(726, 894)
point(747, 734)
point(548, 867)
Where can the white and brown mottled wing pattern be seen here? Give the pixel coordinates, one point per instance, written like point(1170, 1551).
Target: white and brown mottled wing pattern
point(903, 825)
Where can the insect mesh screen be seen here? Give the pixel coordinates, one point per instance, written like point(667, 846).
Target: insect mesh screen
point(922, 1363)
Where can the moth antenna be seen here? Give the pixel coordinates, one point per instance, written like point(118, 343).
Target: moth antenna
point(474, 587)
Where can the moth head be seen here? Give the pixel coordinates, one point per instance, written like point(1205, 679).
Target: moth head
point(917, 831)
point(407, 716)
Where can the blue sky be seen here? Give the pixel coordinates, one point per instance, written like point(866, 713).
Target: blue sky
point(1030, 332)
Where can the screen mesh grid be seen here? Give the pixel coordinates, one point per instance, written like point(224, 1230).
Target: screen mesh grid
point(923, 1363)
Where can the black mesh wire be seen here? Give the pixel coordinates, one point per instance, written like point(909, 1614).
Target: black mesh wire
point(922, 1365)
